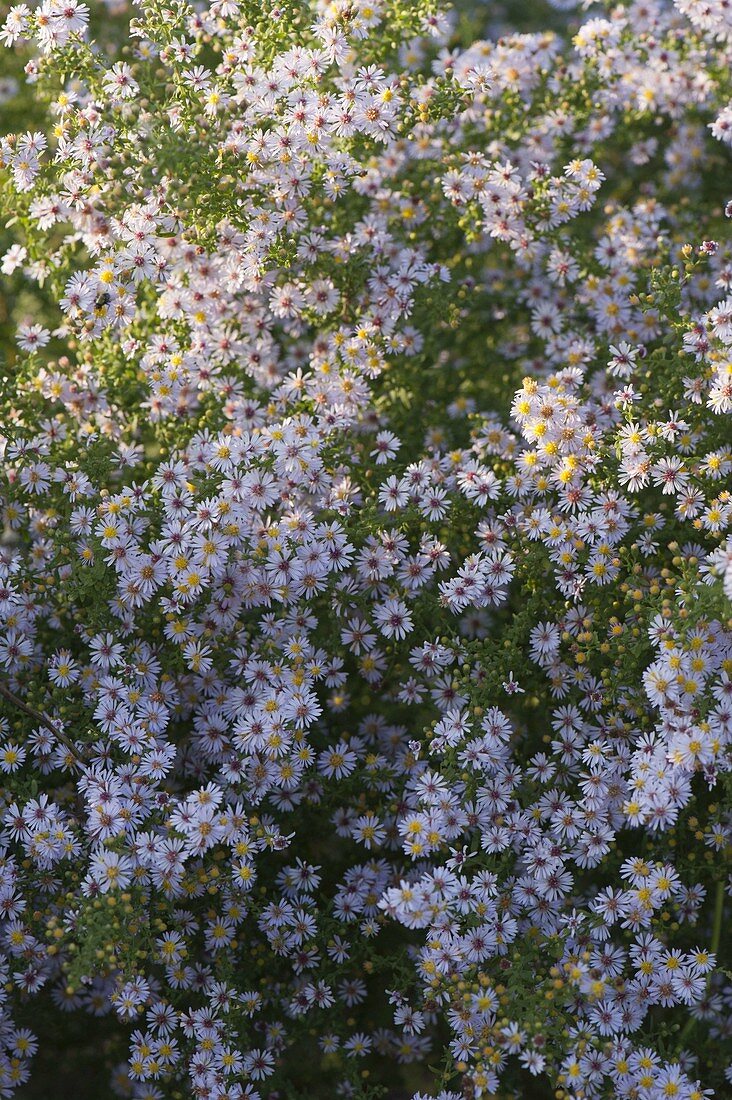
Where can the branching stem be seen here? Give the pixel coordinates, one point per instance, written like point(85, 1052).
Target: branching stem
point(42, 718)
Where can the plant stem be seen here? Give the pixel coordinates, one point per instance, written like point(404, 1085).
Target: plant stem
point(44, 719)
point(714, 949)
point(718, 915)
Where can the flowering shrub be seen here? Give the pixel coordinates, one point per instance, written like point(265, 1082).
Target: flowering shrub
point(366, 574)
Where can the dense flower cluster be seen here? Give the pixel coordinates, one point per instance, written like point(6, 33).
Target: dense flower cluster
point(366, 569)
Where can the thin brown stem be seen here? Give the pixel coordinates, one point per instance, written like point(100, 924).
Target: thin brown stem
point(40, 717)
